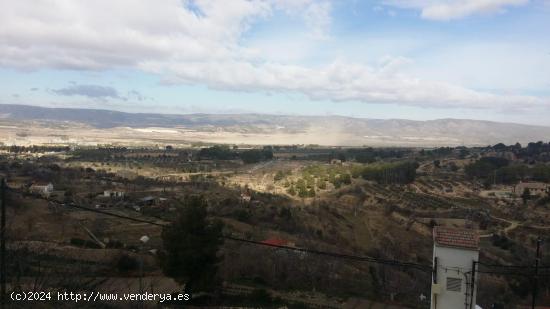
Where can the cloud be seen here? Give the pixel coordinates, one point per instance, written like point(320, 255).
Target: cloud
point(33, 89)
point(201, 42)
point(136, 95)
point(317, 18)
point(380, 9)
point(341, 81)
point(94, 35)
point(455, 9)
point(90, 91)
point(316, 14)
point(100, 92)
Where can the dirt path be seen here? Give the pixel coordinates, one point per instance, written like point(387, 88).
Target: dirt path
point(515, 224)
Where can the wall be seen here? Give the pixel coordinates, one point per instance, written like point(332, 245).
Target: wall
point(449, 261)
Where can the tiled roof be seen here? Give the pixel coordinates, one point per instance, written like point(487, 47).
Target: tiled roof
point(453, 237)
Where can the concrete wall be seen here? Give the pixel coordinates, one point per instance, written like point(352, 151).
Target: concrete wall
point(453, 263)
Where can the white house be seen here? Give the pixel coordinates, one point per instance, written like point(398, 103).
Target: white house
point(113, 194)
point(455, 251)
point(44, 189)
point(245, 197)
point(535, 188)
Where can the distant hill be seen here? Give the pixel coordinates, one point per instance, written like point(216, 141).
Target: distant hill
point(328, 130)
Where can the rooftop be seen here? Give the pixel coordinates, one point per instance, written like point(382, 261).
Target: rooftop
point(454, 237)
point(533, 185)
point(40, 184)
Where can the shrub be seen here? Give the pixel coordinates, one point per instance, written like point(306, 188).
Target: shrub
point(279, 176)
point(260, 297)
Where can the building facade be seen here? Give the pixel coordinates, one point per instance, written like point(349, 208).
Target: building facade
point(534, 188)
point(113, 194)
point(44, 189)
point(454, 255)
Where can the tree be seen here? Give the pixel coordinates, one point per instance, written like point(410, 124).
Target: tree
point(218, 153)
point(126, 263)
point(301, 188)
point(342, 157)
point(256, 155)
point(291, 190)
point(279, 176)
point(463, 153)
point(365, 157)
point(345, 178)
point(191, 244)
point(485, 167)
point(311, 192)
point(400, 172)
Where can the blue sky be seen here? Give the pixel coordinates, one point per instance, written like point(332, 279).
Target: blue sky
point(415, 59)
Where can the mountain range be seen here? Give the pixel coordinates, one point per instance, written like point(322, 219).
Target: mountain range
point(265, 129)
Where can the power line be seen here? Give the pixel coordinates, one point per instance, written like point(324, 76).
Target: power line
point(335, 255)
point(303, 250)
point(117, 215)
point(511, 274)
point(324, 253)
point(511, 266)
point(388, 262)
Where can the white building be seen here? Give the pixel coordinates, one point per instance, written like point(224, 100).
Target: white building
point(113, 194)
point(534, 188)
point(44, 189)
point(245, 197)
point(454, 254)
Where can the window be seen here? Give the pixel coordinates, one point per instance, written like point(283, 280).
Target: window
point(454, 284)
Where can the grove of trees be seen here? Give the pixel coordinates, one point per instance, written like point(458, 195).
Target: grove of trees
point(398, 173)
point(499, 170)
point(256, 155)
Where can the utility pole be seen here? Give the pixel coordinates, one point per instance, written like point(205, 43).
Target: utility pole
point(535, 278)
point(3, 243)
point(473, 286)
point(434, 281)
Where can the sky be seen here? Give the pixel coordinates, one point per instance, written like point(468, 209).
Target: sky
point(407, 59)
